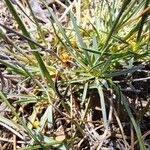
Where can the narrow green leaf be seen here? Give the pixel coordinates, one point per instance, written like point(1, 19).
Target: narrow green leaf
point(43, 68)
point(102, 102)
point(123, 7)
point(14, 68)
point(85, 92)
point(80, 40)
point(51, 144)
point(47, 116)
point(37, 24)
point(57, 23)
point(95, 48)
point(135, 124)
point(18, 118)
point(76, 28)
point(11, 123)
point(144, 17)
point(124, 72)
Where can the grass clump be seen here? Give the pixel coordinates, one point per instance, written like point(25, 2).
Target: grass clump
point(77, 79)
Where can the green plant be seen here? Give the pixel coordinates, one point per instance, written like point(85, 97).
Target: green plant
point(84, 58)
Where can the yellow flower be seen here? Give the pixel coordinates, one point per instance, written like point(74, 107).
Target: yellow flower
point(36, 123)
point(65, 56)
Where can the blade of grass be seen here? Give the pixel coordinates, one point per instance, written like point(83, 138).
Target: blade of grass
point(66, 44)
point(48, 145)
point(130, 70)
point(57, 23)
point(12, 124)
point(42, 66)
point(95, 48)
point(135, 124)
point(22, 9)
point(123, 7)
point(18, 118)
point(18, 20)
point(12, 130)
point(107, 64)
point(76, 28)
point(37, 24)
point(75, 54)
point(53, 143)
point(133, 31)
point(80, 40)
point(13, 67)
point(84, 93)
point(103, 66)
point(8, 40)
point(144, 17)
point(102, 102)
point(46, 116)
point(91, 50)
point(126, 13)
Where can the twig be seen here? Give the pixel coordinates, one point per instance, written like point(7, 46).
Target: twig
point(141, 79)
point(11, 141)
point(60, 3)
point(133, 80)
point(120, 126)
point(131, 90)
point(67, 10)
point(14, 142)
point(144, 136)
